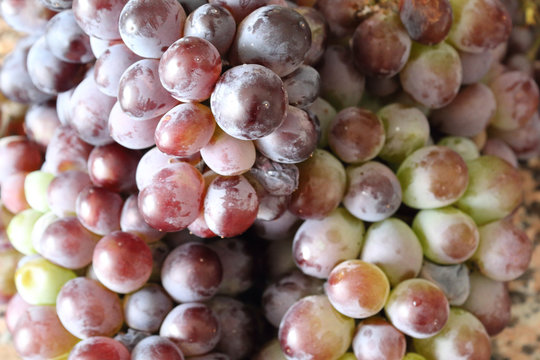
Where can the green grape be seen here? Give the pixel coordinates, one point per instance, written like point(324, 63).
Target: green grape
point(19, 231)
point(413, 356)
point(39, 281)
point(462, 145)
point(35, 189)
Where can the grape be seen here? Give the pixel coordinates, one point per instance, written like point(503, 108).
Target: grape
point(15, 82)
point(319, 33)
point(238, 265)
point(99, 347)
point(490, 302)
point(279, 296)
point(26, 16)
point(67, 151)
point(479, 25)
point(357, 289)
point(258, 98)
point(230, 205)
point(270, 206)
point(193, 327)
point(406, 129)
point(113, 167)
point(156, 348)
point(99, 19)
point(146, 308)
point(322, 173)
point(19, 231)
point(15, 308)
point(293, 141)
point(122, 262)
point(375, 338)
point(39, 334)
point(499, 148)
point(190, 68)
point(63, 191)
point(240, 9)
point(284, 227)
point(463, 337)
point(213, 23)
point(90, 110)
point(152, 162)
point(110, 66)
point(417, 308)
point(504, 252)
point(18, 154)
point(342, 15)
point(227, 155)
point(173, 199)
point(313, 329)
point(148, 27)
point(380, 44)
point(302, 86)
point(394, 248)
point(48, 73)
point(66, 40)
point(39, 281)
point(12, 193)
point(140, 93)
point(433, 176)
point(130, 132)
point(131, 220)
point(40, 122)
point(87, 309)
point(494, 191)
point(35, 189)
point(448, 235)
point(192, 272)
point(517, 98)
point(131, 337)
point(373, 192)
point(413, 356)
point(210, 356)
point(274, 36)
point(342, 85)
point(432, 75)
point(319, 245)
point(524, 141)
point(453, 280)
point(465, 147)
point(468, 114)
point(427, 22)
point(475, 65)
point(39, 228)
point(185, 129)
point(98, 210)
point(238, 327)
point(160, 250)
point(67, 243)
point(276, 178)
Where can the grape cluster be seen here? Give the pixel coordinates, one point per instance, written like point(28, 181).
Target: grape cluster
point(264, 179)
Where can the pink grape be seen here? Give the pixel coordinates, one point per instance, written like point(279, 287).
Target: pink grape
point(131, 220)
point(113, 167)
point(66, 151)
point(375, 338)
point(99, 19)
point(63, 191)
point(41, 121)
point(130, 132)
point(110, 66)
point(99, 347)
point(98, 210)
point(156, 348)
point(146, 308)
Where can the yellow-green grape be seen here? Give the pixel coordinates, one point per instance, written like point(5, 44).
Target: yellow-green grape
point(494, 191)
point(35, 189)
point(271, 351)
point(19, 230)
point(413, 356)
point(39, 281)
point(347, 356)
point(462, 145)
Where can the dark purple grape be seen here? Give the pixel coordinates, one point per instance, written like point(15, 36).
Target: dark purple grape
point(131, 220)
point(258, 96)
point(213, 23)
point(148, 27)
point(302, 86)
point(342, 15)
point(276, 178)
point(66, 40)
point(50, 74)
point(274, 36)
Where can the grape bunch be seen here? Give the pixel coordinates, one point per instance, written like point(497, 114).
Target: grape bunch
point(264, 179)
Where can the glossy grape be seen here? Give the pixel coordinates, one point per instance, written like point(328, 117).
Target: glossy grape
point(148, 27)
point(258, 98)
point(18, 154)
point(131, 220)
point(98, 210)
point(190, 68)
